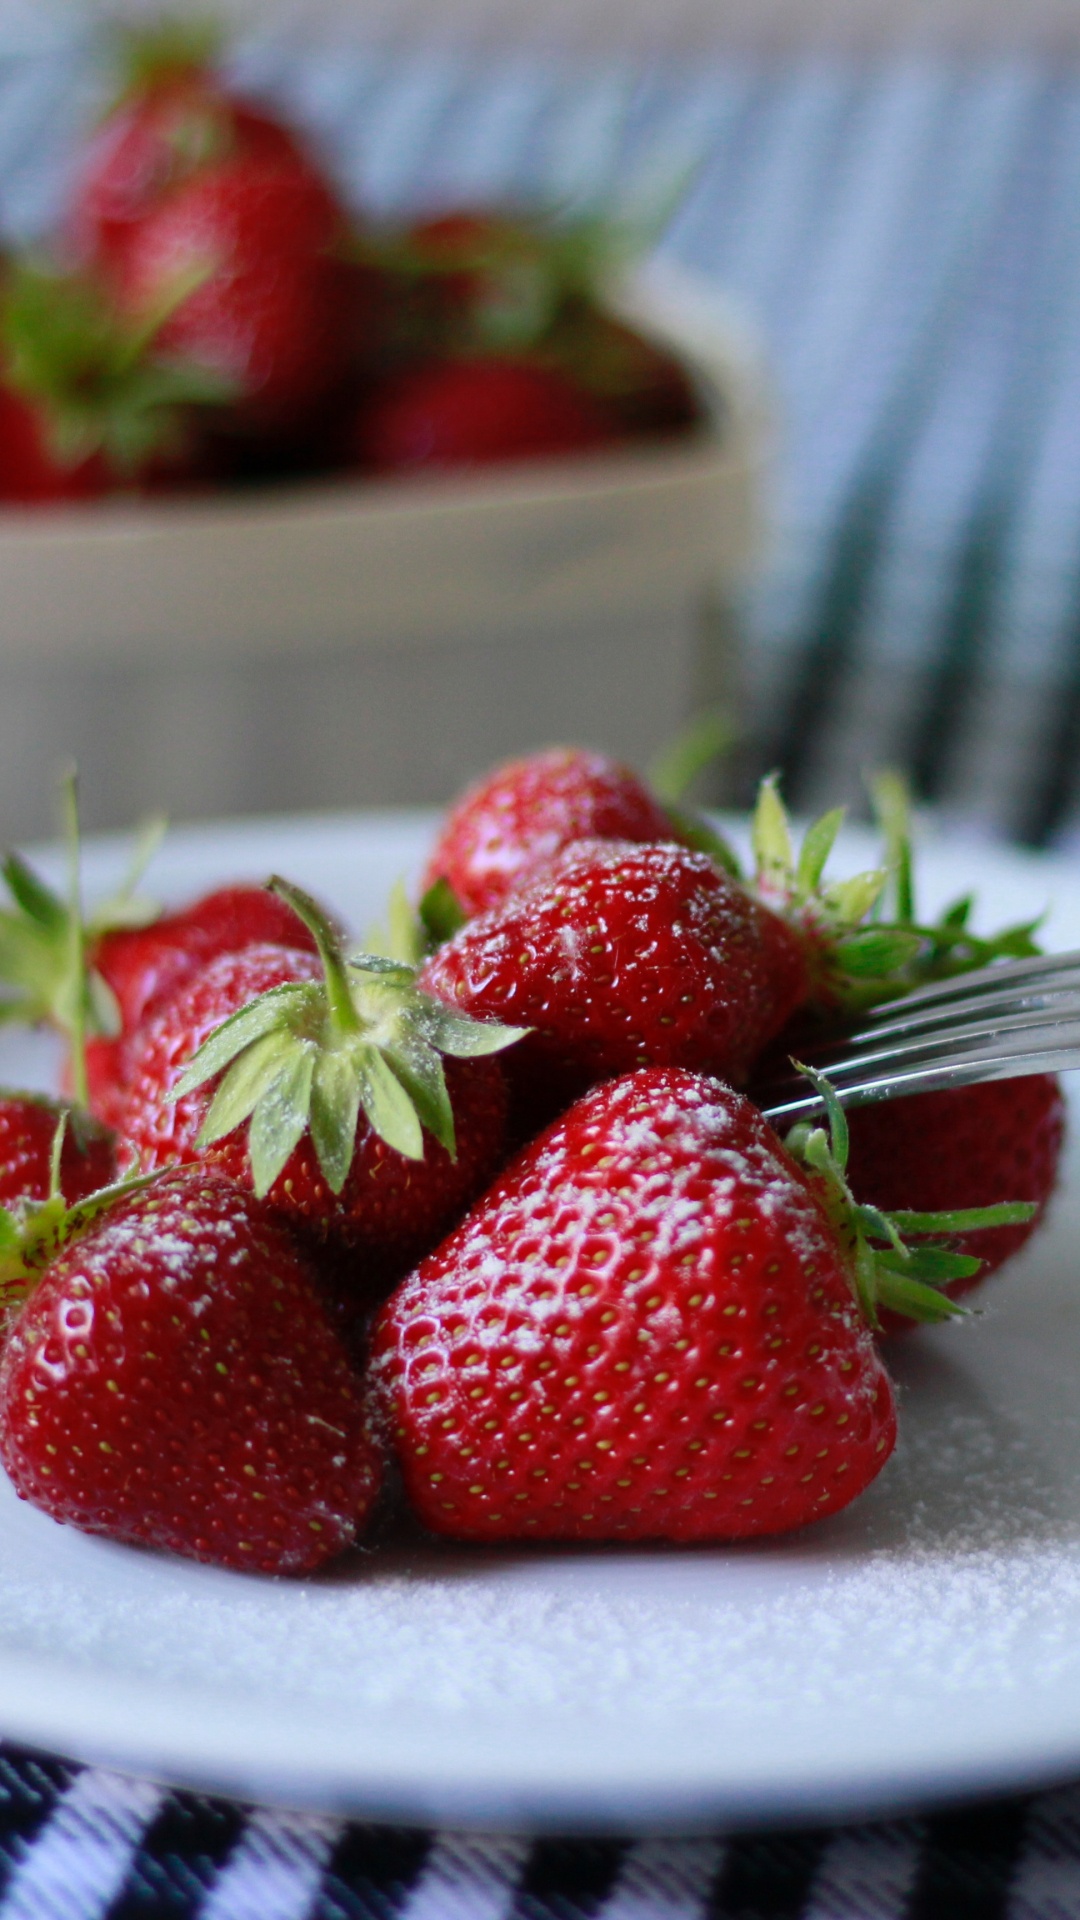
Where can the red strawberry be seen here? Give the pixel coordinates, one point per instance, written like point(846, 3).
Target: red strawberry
point(453, 413)
point(359, 1131)
point(645, 388)
point(479, 280)
point(528, 810)
point(616, 956)
point(945, 1152)
point(173, 118)
point(174, 1379)
point(28, 1124)
point(270, 306)
point(959, 1148)
point(31, 472)
point(475, 281)
point(87, 402)
point(646, 1329)
point(143, 966)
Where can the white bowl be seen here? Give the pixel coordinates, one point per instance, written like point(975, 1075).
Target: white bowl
point(347, 642)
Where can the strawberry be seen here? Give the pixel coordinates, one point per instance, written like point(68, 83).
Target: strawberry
point(97, 980)
point(472, 282)
point(646, 1329)
point(89, 401)
point(359, 1132)
point(173, 117)
point(174, 1379)
point(28, 1128)
point(31, 472)
point(952, 1150)
point(528, 810)
point(143, 966)
point(964, 1147)
point(472, 412)
point(862, 939)
point(618, 955)
point(261, 246)
point(481, 280)
point(640, 383)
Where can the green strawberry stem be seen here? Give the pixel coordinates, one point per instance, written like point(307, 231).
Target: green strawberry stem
point(705, 739)
point(312, 1056)
point(343, 1013)
point(76, 956)
point(886, 1272)
point(33, 1231)
point(46, 974)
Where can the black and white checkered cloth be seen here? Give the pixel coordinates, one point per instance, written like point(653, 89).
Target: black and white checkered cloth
point(88, 1845)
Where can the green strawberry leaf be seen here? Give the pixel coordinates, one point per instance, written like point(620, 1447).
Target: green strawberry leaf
point(37, 901)
point(277, 1009)
point(409, 936)
point(45, 938)
point(387, 1104)
point(402, 938)
point(876, 952)
point(420, 1071)
point(849, 901)
point(902, 1294)
point(150, 51)
point(242, 1087)
point(96, 379)
point(313, 1056)
point(817, 845)
point(770, 837)
point(956, 916)
point(335, 1112)
point(280, 1118)
point(936, 1265)
point(441, 914)
point(838, 1139)
point(884, 1270)
point(1007, 1213)
point(462, 1038)
point(892, 805)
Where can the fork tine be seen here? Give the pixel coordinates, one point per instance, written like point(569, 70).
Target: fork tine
point(995, 1023)
point(1037, 971)
point(855, 1052)
point(998, 996)
point(1055, 1057)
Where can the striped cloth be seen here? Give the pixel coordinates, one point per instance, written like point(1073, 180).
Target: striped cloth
point(905, 237)
point(89, 1845)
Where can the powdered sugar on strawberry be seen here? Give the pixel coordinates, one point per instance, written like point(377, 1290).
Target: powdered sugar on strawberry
point(645, 1329)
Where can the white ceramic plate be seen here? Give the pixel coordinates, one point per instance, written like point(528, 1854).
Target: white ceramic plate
point(925, 1643)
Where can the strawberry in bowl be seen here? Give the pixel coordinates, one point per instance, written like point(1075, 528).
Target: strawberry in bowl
point(173, 116)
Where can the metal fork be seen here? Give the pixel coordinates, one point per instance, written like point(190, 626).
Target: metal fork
point(995, 1023)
